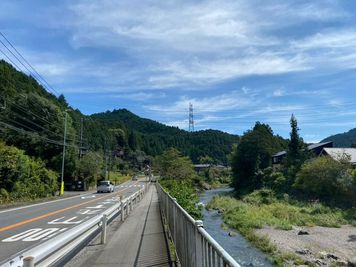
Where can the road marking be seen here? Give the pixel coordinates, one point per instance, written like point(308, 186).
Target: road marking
point(68, 221)
point(50, 214)
point(88, 197)
point(35, 234)
point(89, 212)
point(52, 201)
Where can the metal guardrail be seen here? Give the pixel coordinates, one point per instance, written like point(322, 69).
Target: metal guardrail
point(51, 252)
point(194, 246)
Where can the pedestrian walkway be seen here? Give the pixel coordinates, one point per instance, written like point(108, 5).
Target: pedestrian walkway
point(138, 241)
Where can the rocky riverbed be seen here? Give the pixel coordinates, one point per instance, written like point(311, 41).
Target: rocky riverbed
point(323, 246)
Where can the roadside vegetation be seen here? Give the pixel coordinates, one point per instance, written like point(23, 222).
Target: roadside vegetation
point(23, 177)
point(178, 177)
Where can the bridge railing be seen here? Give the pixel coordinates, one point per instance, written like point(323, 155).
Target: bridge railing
point(194, 246)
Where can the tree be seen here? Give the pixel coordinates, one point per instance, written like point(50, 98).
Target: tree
point(206, 160)
point(327, 179)
point(296, 153)
point(253, 154)
point(172, 165)
point(296, 144)
point(90, 167)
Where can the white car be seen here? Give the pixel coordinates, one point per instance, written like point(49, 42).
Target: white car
point(105, 186)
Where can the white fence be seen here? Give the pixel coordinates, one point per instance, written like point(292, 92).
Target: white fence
point(54, 251)
point(194, 246)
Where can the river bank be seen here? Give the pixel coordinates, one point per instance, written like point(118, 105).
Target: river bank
point(291, 233)
point(233, 242)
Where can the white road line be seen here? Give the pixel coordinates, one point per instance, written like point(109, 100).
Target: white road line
point(43, 203)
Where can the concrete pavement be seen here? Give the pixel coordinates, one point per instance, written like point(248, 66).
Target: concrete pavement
point(138, 241)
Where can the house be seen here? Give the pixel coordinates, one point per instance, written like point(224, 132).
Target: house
point(340, 154)
point(201, 167)
point(315, 148)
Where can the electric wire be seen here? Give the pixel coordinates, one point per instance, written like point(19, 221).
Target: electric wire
point(39, 75)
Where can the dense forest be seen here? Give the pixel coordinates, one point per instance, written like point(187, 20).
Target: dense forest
point(32, 121)
point(347, 139)
point(154, 138)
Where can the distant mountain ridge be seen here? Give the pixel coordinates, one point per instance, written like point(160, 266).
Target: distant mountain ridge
point(343, 139)
point(155, 137)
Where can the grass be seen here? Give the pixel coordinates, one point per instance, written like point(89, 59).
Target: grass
point(118, 178)
point(261, 208)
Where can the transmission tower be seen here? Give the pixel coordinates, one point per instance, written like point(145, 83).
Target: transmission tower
point(191, 118)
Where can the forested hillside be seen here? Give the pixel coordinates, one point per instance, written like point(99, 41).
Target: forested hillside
point(32, 120)
point(153, 137)
point(344, 139)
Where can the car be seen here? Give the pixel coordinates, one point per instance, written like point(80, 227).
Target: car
point(105, 186)
point(134, 178)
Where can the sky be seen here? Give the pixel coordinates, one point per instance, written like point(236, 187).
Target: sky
point(236, 61)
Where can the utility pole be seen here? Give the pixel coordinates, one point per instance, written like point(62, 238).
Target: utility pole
point(81, 138)
point(61, 192)
point(191, 118)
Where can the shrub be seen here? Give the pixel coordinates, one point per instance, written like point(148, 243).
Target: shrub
point(326, 179)
point(22, 177)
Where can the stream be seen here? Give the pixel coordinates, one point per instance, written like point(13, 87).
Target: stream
point(237, 246)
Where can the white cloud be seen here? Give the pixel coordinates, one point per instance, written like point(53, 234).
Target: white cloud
point(218, 103)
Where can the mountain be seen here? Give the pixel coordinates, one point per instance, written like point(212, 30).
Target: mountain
point(32, 119)
point(154, 137)
point(343, 139)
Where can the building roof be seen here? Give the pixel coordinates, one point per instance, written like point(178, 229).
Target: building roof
point(281, 153)
point(310, 147)
point(202, 165)
point(313, 146)
point(339, 153)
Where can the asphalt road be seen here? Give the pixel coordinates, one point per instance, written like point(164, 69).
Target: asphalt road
point(28, 226)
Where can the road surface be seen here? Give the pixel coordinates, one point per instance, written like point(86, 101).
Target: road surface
point(28, 226)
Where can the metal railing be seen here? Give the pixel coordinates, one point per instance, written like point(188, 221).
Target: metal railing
point(54, 251)
point(194, 246)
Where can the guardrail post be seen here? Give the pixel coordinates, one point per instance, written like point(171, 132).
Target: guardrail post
point(174, 220)
point(103, 229)
point(122, 208)
point(198, 244)
point(29, 262)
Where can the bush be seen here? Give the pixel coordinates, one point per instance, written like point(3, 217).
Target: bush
point(328, 180)
point(185, 194)
point(22, 177)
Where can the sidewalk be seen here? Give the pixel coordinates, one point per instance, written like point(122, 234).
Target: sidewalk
point(138, 241)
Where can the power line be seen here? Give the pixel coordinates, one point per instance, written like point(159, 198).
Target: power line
point(38, 75)
point(10, 59)
point(34, 134)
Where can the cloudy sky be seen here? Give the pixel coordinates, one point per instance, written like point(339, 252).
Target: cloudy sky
point(236, 61)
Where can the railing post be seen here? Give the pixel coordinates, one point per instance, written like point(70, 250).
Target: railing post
point(198, 244)
point(174, 220)
point(103, 229)
point(122, 208)
point(29, 261)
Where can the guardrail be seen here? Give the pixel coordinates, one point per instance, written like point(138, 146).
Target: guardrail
point(194, 246)
point(54, 251)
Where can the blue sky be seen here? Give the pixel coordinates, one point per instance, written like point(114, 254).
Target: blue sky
point(237, 62)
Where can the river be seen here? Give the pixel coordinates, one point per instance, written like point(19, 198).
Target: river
point(237, 246)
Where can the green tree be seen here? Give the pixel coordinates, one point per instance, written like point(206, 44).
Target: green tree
point(90, 167)
point(253, 154)
point(295, 155)
point(327, 179)
point(172, 165)
point(206, 160)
